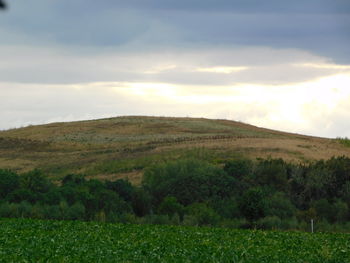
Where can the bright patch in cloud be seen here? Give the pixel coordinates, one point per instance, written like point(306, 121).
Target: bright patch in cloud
point(288, 107)
point(223, 70)
point(324, 66)
point(289, 90)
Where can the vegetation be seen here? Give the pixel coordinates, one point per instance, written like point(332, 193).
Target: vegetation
point(125, 147)
point(183, 173)
point(26, 240)
point(344, 141)
point(239, 193)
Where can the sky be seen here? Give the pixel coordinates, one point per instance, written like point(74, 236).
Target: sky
point(282, 65)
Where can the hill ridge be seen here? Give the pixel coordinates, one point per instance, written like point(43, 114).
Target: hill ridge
point(125, 145)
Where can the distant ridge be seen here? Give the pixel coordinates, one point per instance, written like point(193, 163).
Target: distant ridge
point(125, 146)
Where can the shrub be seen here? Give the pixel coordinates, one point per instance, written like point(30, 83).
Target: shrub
point(269, 222)
point(203, 214)
point(9, 181)
point(170, 206)
point(252, 204)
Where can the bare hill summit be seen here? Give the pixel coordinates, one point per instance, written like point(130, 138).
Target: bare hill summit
point(123, 146)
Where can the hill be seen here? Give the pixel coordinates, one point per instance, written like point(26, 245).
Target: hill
point(122, 147)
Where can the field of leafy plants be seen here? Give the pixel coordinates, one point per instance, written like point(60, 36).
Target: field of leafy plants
point(24, 240)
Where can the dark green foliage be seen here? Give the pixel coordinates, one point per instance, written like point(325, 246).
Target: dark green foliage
point(267, 194)
point(35, 181)
point(202, 214)
point(76, 211)
point(279, 205)
point(9, 181)
point(226, 208)
point(337, 211)
point(340, 174)
point(73, 179)
point(122, 187)
point(269, 222)
point(189, 181)
point(53, 197)
point(253, 205)
point(170, 206)
point(324, 209)
point(23, 194)
point(272, 172)
point(141, 202)
point(238, 168)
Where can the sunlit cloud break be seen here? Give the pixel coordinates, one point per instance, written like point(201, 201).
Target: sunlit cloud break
point(224, 70)
point(281, 66)
point(319, 107)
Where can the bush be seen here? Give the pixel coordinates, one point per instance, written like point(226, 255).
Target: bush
point(76, 211)
point(190, 181)
point(269, 222)
point(252, 204)
point(35, 181)
point(289, 223)
point(272, 173)
point(226, 208)
point(238, 168)
point(233, 223)
point(24, 209)
point(9, 181)
point(279, 205)
point(157, 219)
point(122, 187)
point(170, 206)
point(141, 202)
point(73, 179)
point(203, 214)
point(23, 194)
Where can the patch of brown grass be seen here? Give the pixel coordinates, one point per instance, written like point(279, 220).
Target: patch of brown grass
point(62, 148)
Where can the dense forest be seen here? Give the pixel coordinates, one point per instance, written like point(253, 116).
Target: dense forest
point(240, 193)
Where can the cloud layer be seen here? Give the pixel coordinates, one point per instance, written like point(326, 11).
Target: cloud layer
point(278, 65)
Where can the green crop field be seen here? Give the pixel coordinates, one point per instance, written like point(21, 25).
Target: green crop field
point(24, 240)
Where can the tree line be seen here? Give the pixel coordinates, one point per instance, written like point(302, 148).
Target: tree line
point(241, 193)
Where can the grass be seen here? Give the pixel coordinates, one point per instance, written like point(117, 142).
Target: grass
point(116, 146)
point(25, 240)
point(344, 141)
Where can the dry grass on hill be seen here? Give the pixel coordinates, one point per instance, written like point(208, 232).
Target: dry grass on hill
point(122, 147)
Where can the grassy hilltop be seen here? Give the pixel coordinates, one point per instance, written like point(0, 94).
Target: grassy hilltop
point(122, 147)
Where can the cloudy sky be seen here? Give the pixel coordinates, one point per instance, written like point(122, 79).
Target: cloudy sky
point(278, 64)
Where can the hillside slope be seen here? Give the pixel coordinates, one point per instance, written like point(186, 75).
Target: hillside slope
point(123, 146)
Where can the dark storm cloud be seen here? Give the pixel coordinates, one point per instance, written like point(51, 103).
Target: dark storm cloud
point(319, 26)
point(299, 6)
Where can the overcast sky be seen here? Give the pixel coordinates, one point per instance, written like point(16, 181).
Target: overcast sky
point(278, 64)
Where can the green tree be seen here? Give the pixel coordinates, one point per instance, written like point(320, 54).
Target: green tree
point(203, 214)
point(189, 181)
point(76, 211)
point(122, 187)
point(35, 181)
point(9, 181)
point(170, 206)
point(272, 172)
point(141, 202)
point(238, 168)
point(74, 179)
point(279, 205)
point(252, 204)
